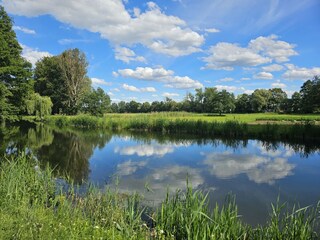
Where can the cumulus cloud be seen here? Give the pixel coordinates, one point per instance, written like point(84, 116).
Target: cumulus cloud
point(259, 51)
point(229, 88)
point(127, 55)
point(226, 79)
point(278, 84)
point(152, 28)
point(300, 73)
point(212, 30)
point(226, 56)
point(263, 75)
point(160, 75)
point(170, 95)
point(24, 30)
point(272, 68)
point(135, 89)
point(100, 82)
point(278, 50)
point(33, 54)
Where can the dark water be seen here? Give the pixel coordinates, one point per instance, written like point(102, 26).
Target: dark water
point(255, 172)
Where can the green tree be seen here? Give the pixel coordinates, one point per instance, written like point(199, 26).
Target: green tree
point(39, 105)
point(6, 109)
point(50, 82)
point(73, 66)
point(211, 100)
point(96, 102)
point(15, 71)
point(226, 102)
point(310, 95)
point(259, 100)
point(243, 103)
point(277, 100)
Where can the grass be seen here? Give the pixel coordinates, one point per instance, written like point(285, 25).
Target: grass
point(33, 206)
point(302, 127)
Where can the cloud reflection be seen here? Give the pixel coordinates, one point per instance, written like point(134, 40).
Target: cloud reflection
point(145, 150)
point(259, 169)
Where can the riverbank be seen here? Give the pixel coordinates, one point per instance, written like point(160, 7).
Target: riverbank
point(241, 126)
point(34, 205)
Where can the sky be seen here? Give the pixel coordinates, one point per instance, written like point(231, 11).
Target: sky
point(148, 50)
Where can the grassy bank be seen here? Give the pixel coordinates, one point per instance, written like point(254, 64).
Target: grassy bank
point(206, 126)
point(33, 207)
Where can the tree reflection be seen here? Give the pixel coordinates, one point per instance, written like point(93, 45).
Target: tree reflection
point(70, 152)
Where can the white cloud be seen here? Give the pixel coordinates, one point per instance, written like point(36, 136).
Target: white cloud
point(127, 55)
point(248, 91)
point(229, 88)
point(100, 82)
point(226, 79)
point(170, 95)
point(226, 56)
point(263, 75)
point(212, 30)
point(278, 84)
point(160, 75)
point(299, 73)
point(152, 28)
point(278, 50)
point(24, 30)
point(135, 89)
point(245, 78)
point(116, 89)
point(110, 94)
point(33, 54)
point(66, 41)
point(130, 167)
point(148, 89)
point(130, 88)
point(259, 51)
point(272, 68)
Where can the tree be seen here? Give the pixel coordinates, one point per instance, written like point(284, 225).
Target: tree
point(50, 82)
point(210, 100)
point(6, 109)
point(39, 105)
point(310, 95)
point(277, 100)
point(96, 102)
point(226, 102)
point(243, 104)
point(15, 71)
point(259, 100)
point(73, 66)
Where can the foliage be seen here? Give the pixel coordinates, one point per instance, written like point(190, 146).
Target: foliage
point(15, 71)
point(96, 102)
point(39, 105)
point(310, 96)
point(73, 66)
point(49, 82)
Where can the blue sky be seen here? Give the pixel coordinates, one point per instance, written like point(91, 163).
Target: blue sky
point(146, 51)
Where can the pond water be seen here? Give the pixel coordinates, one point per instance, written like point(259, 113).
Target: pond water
point(256, 172)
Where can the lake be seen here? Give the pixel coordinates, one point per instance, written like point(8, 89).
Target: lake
point(255, 172)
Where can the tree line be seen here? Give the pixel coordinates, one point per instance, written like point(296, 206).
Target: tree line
point(60, 85)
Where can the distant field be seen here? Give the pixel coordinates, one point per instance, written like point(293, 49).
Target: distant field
point(244, 118)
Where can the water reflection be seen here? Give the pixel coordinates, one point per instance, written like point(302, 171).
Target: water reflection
point(150, 164)
point(259, 169)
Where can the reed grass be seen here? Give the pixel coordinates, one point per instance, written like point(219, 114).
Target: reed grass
point(166, 123)
point(33, 206)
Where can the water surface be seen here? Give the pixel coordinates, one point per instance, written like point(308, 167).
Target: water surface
point(255, 172)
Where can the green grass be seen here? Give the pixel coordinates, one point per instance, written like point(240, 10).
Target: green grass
point(33, 207)
point(234, 126)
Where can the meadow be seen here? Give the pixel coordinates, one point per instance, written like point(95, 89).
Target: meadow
point(35, 205)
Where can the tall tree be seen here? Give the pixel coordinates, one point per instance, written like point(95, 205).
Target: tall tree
point(259, 100)
point(73, 66)
point(15, 71)
point(50, 82)
point(310, 95)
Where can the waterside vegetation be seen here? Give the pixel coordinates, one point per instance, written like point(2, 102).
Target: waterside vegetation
point(35, 205)
point(304, 127)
